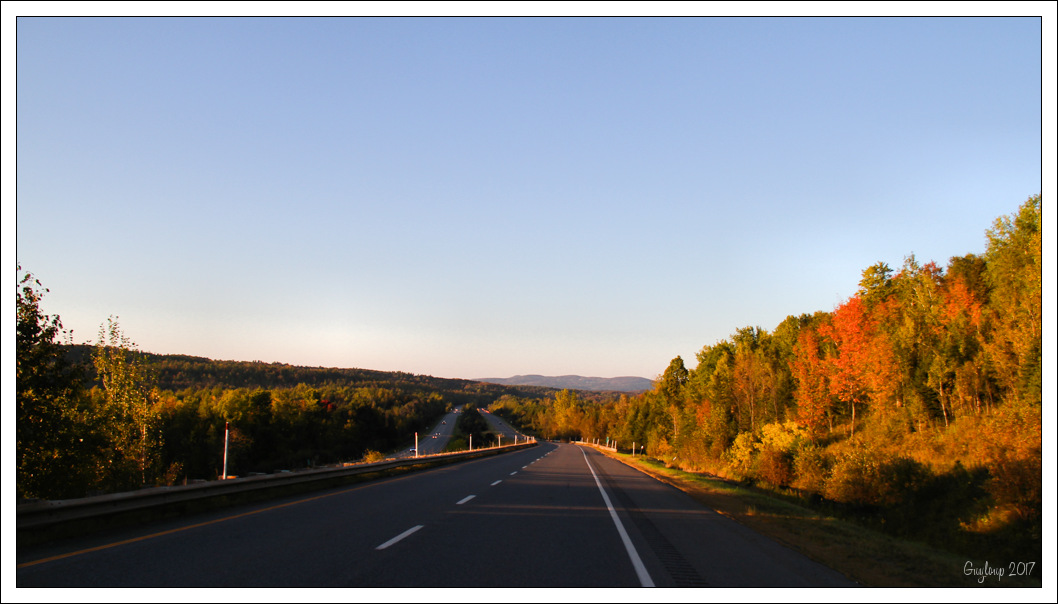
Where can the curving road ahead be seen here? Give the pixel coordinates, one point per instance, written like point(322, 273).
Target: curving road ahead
point(437, 438)
point(497, 424)
point(548, 516)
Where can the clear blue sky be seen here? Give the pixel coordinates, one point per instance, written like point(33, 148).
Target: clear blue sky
point(488, 197)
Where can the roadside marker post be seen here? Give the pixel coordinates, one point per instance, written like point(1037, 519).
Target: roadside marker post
point(225, 474)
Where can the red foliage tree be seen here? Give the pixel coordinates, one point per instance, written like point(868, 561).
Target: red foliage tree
point(865, 368)
point(812, 370)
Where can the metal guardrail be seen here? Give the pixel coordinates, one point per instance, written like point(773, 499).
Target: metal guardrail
point(36, 516)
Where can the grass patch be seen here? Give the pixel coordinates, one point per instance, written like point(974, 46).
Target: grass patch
point(869, 557)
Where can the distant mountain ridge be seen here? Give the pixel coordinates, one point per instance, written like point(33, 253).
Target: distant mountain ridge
point(576, 382)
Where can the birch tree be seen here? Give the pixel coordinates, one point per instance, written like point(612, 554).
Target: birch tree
point(128, 417)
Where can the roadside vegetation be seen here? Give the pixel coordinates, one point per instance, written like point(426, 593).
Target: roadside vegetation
point(871, 557)
point(913, 409)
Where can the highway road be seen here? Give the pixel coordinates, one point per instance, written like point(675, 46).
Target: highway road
point(497, 424)
point(435, 440)
point(549, 516)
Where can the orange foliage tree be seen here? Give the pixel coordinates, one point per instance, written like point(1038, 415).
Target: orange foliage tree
point(865, 369)
point(959, 353)
point(811, 369)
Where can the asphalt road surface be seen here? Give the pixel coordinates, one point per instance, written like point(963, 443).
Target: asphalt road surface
point(497, 424)
point(547, 516)
point(437, 438)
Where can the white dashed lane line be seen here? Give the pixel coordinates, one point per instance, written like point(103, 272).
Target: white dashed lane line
point(415, 528)
point(399, 537)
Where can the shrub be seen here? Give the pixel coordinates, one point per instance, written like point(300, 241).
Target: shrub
point(694, 453)
point(782, 437)
point(659, 448)
point(898, 480)
point(867, 477)
point(741, 453)
point(1017, 484)
point(1015, 461)
point(775, 466)
point(173, 474)
point(811, 469)
point(779, 441)
point(851, 477)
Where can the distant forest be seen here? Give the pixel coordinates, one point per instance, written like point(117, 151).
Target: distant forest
point(577, 382)
point(106, 418)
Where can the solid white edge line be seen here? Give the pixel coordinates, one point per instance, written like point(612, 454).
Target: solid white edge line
point(637, 562)
point(399, 537)
point(465, 499)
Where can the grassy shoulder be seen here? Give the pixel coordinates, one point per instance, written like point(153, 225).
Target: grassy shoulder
point(868, 557)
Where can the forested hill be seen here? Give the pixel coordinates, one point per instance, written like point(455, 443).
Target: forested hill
point(105, 419)
point(577, 382)
point(181, 372)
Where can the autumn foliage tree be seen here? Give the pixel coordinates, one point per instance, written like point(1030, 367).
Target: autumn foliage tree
point(864, 368)
point(812, 370)
point(957, 370)
point(1014, 344)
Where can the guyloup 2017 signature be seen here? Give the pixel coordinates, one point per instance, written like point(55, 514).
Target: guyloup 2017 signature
point(1014, 569)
